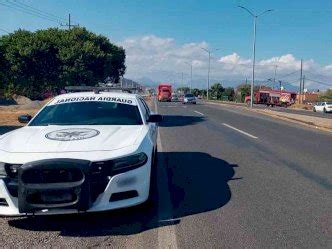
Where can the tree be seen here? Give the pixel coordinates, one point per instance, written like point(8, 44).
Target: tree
point(230, 93)
point(244, 90)
point(184, 89)
point(326, 96)
point(48, 60)
point(196, 92)
point(217, 90)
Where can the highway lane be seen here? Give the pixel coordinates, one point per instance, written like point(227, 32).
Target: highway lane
point(226, 178)
point(239, 179)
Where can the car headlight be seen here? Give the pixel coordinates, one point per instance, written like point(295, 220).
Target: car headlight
point(129, 162)
point(2, 170)
point(7, 169)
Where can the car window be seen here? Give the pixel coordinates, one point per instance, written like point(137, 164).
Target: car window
point(145, 109)
point(88, 113)
point(146, 106)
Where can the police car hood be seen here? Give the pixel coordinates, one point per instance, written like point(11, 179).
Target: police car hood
point(55, 139)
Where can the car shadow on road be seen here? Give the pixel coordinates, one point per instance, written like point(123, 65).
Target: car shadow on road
point(5, 128)
point(177, 120)
point(197, 183)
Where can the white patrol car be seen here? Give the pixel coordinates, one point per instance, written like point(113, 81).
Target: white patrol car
point(82, 152)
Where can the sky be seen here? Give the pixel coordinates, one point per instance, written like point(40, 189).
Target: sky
point(162, 36)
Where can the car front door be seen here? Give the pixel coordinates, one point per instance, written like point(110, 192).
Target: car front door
point(152, 126)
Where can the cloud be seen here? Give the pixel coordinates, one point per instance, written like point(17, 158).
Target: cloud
point(234, 59)
point(163, 59)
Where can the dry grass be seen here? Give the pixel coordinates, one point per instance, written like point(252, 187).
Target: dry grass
point(301, 106)
point(8, 116)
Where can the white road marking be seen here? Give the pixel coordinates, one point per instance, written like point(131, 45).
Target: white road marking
point(238, 130)
point(166, 233)
point(199, 113)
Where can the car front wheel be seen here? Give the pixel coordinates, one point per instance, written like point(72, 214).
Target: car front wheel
point(314, 109)
point(153, 178)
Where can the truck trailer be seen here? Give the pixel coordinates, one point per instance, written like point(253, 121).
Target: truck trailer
point(164, 92)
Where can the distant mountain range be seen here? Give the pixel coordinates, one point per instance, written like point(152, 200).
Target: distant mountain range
point(201, 83)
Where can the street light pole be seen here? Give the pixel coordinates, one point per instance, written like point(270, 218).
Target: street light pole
point(191, 75)
point(208, 81)
point(208, 76)
point(253, 65)
point(253, 51)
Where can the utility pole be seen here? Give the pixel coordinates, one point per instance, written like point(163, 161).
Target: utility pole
point(191, 77)
point(69, 25)
point(303, 80)
point(275, 74)
point(182, 79)
point(253, 50)
point(300, 90)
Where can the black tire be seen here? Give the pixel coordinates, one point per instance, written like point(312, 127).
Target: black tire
point(324, 110)
point(314, 109)
point(153, 178)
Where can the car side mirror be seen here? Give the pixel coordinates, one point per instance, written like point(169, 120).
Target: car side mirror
point(24, 118)
point(155, 118)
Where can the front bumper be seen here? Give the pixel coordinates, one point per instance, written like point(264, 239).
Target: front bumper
point(189, 101)
point(115, 191)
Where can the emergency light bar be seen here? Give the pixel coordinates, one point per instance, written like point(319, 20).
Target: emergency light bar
point(97, 89)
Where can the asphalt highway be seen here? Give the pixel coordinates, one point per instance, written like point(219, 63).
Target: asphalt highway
point(226, 178)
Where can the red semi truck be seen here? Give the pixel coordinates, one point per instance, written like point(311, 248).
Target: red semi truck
point(273, 97)
point(164, 92)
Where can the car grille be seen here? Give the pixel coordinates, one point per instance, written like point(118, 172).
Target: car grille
point(99, 177)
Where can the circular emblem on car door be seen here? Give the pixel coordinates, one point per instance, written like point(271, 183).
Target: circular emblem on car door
point(72, 134)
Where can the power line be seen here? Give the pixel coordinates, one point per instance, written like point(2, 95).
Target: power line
point(288, 74)
point(33, 13)
point(5, 31)
point(316, 74)
point(41, 11)
point(320, 82)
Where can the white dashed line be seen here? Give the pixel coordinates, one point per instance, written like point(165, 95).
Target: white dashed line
point(238, 130)
point(166, 233)
point(199, 113)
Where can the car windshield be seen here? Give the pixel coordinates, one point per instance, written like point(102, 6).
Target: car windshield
point(189, 95)
point(88, 113)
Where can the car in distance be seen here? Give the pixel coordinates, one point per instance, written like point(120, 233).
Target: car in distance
point(323, 107)
point(83, 152)
point(189, 98)
point(175, 97)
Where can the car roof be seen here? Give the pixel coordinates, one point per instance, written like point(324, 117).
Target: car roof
point(104, 94)
point(118, 97)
